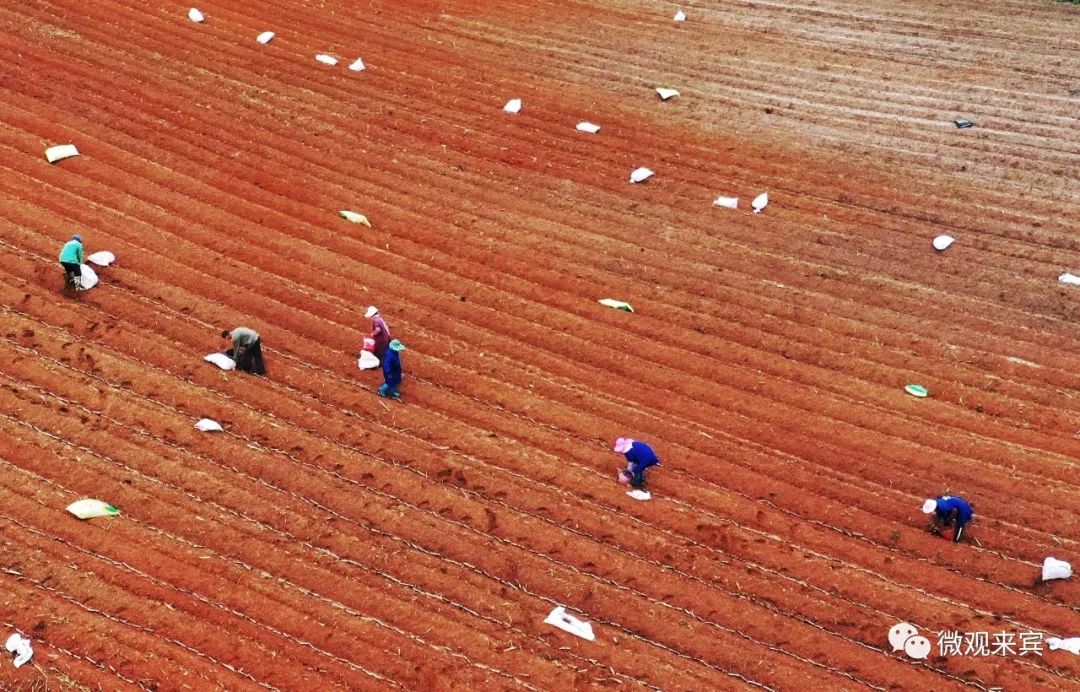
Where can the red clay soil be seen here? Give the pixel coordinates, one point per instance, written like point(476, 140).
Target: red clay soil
point(329, 539)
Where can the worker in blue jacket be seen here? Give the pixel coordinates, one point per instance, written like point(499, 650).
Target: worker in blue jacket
point(391, 367)
point(639, 456)
point(949, 510)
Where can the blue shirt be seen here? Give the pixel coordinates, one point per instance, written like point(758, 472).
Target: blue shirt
point(641, 456)
point(946, 504)
point(391, 367)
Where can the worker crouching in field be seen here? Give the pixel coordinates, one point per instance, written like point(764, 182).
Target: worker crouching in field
point(246, 350)
point(639, 456)
point(391, 367)
point(71, 259)
point(949, 511)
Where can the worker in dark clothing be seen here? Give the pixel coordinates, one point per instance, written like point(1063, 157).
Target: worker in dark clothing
point(639, 456)
point(949, 510)
point(246, 350)
point(391, 367)
point(380, 332)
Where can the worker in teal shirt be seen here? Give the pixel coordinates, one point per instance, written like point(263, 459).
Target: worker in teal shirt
point(71, 259)
point(949, 510)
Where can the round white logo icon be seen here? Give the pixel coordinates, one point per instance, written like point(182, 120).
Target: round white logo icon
point(904, 637)
point(900, 633)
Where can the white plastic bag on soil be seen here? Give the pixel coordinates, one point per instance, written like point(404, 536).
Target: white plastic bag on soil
point(1072, 644)
point(88, 279)
point(1055, 569)
point(20, 646)
point(60, 152)
point(568, 623)
point(90, 508)
point(102, 259)
point(221, 360)
point(208, 425)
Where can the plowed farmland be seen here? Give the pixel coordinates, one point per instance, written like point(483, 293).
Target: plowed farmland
point(331, 539)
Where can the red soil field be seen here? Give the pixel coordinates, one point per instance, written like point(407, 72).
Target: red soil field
point(329, 539)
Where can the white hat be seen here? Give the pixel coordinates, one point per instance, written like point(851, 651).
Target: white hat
point(371, 311)
point(929, 506)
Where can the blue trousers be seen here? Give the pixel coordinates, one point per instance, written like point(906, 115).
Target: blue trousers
point(637, 476)
point(961, 524)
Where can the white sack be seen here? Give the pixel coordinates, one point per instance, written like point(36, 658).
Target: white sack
point(102, 259)
point(221, 360)
point(20, 646)
point(1056, 569)
point(88, 278)
point(208, 425)
point(90, 508)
